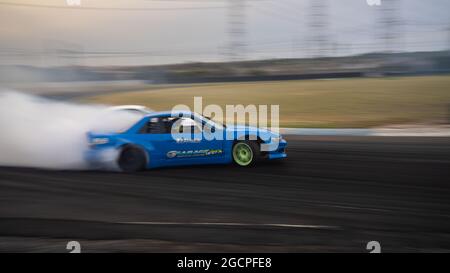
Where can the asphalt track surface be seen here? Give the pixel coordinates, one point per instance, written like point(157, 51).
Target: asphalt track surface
point(332, 194)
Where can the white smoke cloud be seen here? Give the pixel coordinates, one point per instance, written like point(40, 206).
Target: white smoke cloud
point(38, 132)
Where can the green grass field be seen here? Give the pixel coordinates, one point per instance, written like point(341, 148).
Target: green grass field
point(351, 103)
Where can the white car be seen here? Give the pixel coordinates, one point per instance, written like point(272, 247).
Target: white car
point(139, 109)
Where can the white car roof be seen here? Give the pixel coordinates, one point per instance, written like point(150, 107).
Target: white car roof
point(131, 108)
point(128, 107)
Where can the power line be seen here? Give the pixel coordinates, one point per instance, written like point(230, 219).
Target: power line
point(108, 8)
point(318, 25)
point(389, 25)
point(236, 29)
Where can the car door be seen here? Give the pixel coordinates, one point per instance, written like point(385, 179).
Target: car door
point(188, 144)
point(179, 141)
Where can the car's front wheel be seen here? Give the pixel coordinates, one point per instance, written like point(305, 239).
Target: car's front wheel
point(246, 153)
point(132, 159)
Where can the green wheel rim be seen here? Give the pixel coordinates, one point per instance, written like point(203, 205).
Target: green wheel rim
point(242, 154)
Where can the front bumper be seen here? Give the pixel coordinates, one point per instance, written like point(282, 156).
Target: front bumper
point(276, 150)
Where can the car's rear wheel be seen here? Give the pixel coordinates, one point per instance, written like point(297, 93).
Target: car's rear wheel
point(132, 159)
point(245, 153)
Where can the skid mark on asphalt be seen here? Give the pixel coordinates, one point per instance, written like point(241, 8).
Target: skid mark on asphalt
point(231, 224)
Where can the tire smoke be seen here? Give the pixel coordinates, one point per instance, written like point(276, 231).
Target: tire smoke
point(43, 133)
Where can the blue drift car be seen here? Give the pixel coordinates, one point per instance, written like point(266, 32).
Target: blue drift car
point(163, 139)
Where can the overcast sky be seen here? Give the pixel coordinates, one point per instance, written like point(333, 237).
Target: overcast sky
point(136, 32)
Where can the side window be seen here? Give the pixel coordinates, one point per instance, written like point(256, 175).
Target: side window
point(165, 125)
point(155, 126)
point(187, 125)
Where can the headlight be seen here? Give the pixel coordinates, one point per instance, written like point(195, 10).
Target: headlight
point(99, 141)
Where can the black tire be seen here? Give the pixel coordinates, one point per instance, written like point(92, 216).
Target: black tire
point(255, 150)
point(132, 159)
